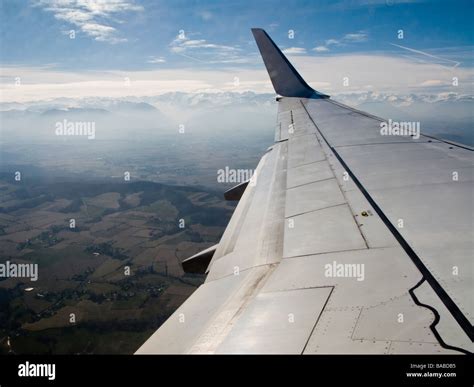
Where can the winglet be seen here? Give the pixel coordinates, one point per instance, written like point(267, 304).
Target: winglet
point(285, 79)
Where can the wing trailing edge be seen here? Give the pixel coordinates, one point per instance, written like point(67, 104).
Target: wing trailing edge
point(285, 79)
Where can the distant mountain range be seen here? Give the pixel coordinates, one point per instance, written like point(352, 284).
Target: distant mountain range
point(444, 112)
point(71, 106)
point(143, 103)
point(209, 99)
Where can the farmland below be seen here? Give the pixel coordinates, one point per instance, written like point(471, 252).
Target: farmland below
point(108, 253)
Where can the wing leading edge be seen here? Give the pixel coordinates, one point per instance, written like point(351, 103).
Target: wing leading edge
point(313, 260)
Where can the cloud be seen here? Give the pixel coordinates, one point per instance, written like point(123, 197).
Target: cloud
point(324, 73)
point(294, 51)
point(331, 42)
point(156, 59)
point(272, 26)
point(432, 82)
point(320, 49)
point(101, 33)
point(369, 72)
point(92, 17)
point(185, 44)
point(201, 50)
point(355, 37)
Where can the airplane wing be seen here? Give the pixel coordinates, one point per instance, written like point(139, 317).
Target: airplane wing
point(347, 240)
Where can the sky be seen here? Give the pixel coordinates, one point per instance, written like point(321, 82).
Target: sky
point(76, 48)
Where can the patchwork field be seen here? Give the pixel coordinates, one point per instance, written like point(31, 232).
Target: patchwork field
point(108, 257)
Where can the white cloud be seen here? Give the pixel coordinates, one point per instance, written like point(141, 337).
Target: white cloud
point(294, 51)
point(355, 37)
point(92, 17)
point(331, 42)
point(203, 51)
point(320, 49)
point(272, 26)
point(101, 32)
point(324, 73)
point(432, 82)
point(381, 73)
point(183, 44)
point(156, 59)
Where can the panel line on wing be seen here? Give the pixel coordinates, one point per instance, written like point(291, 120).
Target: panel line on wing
point(319, 209)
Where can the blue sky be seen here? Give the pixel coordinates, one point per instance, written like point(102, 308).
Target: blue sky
point(141, 38)
point(35, 32)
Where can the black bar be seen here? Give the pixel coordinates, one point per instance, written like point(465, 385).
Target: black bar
point(321, 370)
